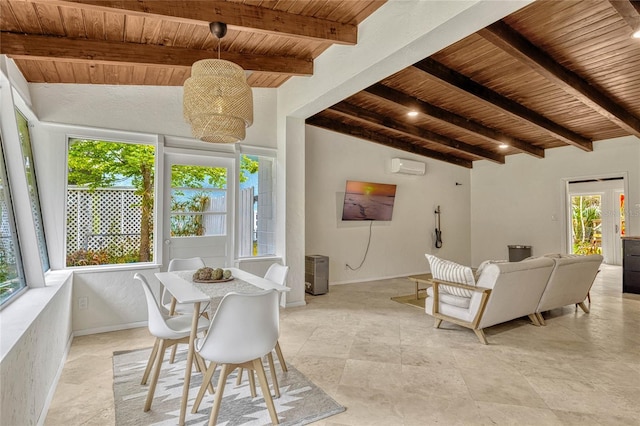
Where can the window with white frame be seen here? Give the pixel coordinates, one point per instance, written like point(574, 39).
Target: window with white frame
point(110, 202)
point(256, 206)
point(11, 274)
point(34, 197)
point(198, 201)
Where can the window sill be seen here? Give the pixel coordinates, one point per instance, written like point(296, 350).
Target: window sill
point(258, 258)
point(112, 268)
point(17, 318)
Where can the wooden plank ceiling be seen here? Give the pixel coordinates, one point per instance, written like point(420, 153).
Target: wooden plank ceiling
point(553, 74)
point(155, 42)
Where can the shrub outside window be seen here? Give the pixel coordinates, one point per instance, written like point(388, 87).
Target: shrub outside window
point(110, 200)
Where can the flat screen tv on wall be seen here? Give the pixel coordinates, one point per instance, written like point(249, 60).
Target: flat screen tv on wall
point(368, 201)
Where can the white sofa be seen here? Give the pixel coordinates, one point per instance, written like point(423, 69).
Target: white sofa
point(503, 292)
point(508, 290)
point(570, 282)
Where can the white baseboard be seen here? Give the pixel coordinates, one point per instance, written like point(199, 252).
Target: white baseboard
point(107, 329)
point(54, 385)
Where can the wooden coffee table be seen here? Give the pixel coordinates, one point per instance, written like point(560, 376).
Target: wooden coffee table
point(421, 279)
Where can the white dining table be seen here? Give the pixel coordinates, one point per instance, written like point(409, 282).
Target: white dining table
point(184, 290)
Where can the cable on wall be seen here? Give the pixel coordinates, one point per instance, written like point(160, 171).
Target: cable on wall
point(365, 252)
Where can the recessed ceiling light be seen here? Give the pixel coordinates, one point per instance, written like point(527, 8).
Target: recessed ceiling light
point(412, 113)
point(503, 146)
point(636, 34)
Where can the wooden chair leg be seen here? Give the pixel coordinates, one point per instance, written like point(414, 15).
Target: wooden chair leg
point(202, 367)
point(173, 354)
point(281, 357)
point(583, 307)
point(205, 380)
point(152, 358)
point(481, 336)
point(239, 379)
point(252, 383)
point(162, 347)
point(266, 393)
point(226, 369)
point(541, 318)
point(274, 379)
point(534, 319)
point(437, 322)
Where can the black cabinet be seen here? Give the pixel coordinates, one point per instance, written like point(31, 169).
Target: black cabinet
point(631, 265)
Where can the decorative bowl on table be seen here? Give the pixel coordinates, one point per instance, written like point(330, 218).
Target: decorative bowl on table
point(211, 275)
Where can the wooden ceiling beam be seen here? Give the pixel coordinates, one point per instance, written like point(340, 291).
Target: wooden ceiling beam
point(504, 37)
point(361, 114)
point(630, 12)
point(371, 136)
point(33, 46)
point(237, 16)
point(494, 136)
point(463, 84)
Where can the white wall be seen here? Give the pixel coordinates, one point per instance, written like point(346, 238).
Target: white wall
point(397, 247)
point(36, 332)
point(114, 300)
point(147, 109)
point(522, 201)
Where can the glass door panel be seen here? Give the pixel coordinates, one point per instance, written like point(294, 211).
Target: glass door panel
point(586, 224)
point(199, 206)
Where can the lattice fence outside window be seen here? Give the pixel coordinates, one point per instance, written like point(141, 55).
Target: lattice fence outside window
point(104, 218)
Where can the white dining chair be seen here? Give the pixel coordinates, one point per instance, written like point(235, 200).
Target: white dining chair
point(277, 274)
point(192, 263)
point(168, 331)
point(244, 328)
point(186, 264)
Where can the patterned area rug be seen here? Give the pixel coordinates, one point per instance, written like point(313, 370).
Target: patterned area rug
point(301, 402)
point(410, 299)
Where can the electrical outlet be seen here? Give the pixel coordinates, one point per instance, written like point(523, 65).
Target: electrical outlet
point(83, 302)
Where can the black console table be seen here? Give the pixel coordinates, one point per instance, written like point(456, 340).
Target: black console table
point(631, 265)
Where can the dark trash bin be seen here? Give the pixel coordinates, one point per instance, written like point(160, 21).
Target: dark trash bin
point(517, 253)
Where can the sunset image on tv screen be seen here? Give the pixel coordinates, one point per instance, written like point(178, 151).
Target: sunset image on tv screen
point(368, 201)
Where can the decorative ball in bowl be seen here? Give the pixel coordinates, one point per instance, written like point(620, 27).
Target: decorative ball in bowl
point(211, 275)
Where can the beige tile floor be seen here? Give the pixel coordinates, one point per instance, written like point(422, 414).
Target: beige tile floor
point(387, 364)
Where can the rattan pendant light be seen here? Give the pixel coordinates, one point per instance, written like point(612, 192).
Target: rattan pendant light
point(218, 102)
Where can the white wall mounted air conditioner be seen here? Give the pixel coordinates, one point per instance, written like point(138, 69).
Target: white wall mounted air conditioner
point(408, 167)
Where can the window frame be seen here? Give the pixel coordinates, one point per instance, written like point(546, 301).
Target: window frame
point(13, 229)
point(119, 137)
point(10, 99)
point(271, 153)
point(37, 208)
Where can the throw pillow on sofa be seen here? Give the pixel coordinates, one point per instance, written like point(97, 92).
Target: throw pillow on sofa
point(447, 270)
point(485, 263)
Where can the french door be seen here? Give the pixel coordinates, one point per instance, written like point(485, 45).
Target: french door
point(198, 208)
point(596, 218)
